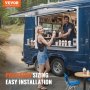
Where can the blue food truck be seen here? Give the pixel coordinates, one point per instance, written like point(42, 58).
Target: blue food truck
point(61, 56)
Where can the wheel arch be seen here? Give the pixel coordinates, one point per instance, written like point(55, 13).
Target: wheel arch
point(59, 56)
point(54, 59)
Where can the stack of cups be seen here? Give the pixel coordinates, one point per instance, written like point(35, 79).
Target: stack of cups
point(28, 41)
point(60, 42)
point(63, 42)
point(69, 43)
point(59, 34)
point(56, 43)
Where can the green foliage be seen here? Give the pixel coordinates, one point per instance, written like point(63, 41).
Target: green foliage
point(3, 36)
point(2, 13)
point(54, 0)
point(37, 2)
point(2, 10)
point(8, 20)
point(25, 5)
point(15, 29)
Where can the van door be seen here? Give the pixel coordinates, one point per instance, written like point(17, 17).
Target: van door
point(29, 33)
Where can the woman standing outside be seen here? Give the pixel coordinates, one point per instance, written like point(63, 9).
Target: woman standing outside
point(42, 56)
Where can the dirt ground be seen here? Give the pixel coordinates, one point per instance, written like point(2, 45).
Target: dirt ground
point(12, 53)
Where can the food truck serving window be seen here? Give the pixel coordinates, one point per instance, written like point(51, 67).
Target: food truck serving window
point(56, 22)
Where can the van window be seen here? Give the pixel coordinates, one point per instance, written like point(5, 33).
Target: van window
point(56, 27)
point(56, 22)
point(47, 26)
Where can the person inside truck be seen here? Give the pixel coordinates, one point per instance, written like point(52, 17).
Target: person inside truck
point(42, 56)
point(68, 30)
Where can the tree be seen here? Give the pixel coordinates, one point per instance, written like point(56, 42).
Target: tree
point(37, 2)
point(10, 20)
point(25, 5)
point(2, 13)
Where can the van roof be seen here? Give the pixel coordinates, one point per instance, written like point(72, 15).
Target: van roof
point(62, 4)
point(70, 3)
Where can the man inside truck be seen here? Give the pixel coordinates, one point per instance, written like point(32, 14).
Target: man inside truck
point(68, 30)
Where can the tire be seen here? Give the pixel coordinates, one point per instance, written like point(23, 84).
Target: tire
point(57, 67)
point(36, 65)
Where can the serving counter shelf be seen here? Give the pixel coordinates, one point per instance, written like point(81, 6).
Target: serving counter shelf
point(62, 48)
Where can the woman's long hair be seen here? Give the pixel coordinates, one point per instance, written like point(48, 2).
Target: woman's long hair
point(37, 28)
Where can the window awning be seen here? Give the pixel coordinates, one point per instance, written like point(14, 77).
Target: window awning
point(52, 8)
point(43, 11)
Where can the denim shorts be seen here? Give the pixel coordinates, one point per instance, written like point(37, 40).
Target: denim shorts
point(42, 57)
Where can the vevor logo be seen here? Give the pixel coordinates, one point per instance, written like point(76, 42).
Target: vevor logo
point(11, 3)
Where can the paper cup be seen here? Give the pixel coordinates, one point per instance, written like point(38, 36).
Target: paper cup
point(60, 42)
point(54, 32)
point(56, 43)
point(59, 34)
point(63, 43)
point(69, 43)
point(28, 42)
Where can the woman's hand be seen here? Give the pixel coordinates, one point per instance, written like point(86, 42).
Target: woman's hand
point(61, 36)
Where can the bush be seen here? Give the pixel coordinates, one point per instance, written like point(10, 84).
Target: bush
point(3, 36)
point(2, 58)
point(2, 40)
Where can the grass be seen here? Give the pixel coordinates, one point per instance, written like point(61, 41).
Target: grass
point(10, 29)
point(4, 35)
point(15, 29)
point(2, 58)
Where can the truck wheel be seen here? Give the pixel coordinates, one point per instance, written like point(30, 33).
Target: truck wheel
point(57, 67)
point(36, 65)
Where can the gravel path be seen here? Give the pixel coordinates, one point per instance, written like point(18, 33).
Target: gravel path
point(13, 53)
